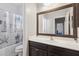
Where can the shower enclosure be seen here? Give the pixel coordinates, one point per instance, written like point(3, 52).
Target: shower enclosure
point(11, 29)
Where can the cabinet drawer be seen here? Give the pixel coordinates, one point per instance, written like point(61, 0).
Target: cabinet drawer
point(38, 45)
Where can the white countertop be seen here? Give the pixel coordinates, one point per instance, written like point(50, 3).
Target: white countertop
point(73, 46)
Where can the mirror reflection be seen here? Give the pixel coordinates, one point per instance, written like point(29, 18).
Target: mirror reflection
point(58, 22)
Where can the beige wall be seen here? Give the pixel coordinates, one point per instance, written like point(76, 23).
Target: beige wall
point(29, 25)
point(41, 7)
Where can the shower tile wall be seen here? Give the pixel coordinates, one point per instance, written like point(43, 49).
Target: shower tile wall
point(8, 36)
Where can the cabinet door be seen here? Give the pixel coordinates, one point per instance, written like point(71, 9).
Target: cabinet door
point(33, 51)
point(42, 52)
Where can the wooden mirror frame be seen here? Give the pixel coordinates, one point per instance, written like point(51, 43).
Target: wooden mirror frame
point(56, 9)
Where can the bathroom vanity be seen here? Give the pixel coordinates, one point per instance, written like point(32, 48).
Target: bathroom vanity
point(45, 49)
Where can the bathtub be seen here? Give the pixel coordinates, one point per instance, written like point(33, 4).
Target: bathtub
point(9, 50)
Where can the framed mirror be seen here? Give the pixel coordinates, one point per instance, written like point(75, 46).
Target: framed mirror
point(60, 22)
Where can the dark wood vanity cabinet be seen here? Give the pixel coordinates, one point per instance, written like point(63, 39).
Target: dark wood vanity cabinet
point(37, 49)
point(40, 49)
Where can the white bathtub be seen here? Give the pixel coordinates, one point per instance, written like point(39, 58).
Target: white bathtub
point(9, 50)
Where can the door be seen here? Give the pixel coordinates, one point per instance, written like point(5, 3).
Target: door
point(59, 26)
